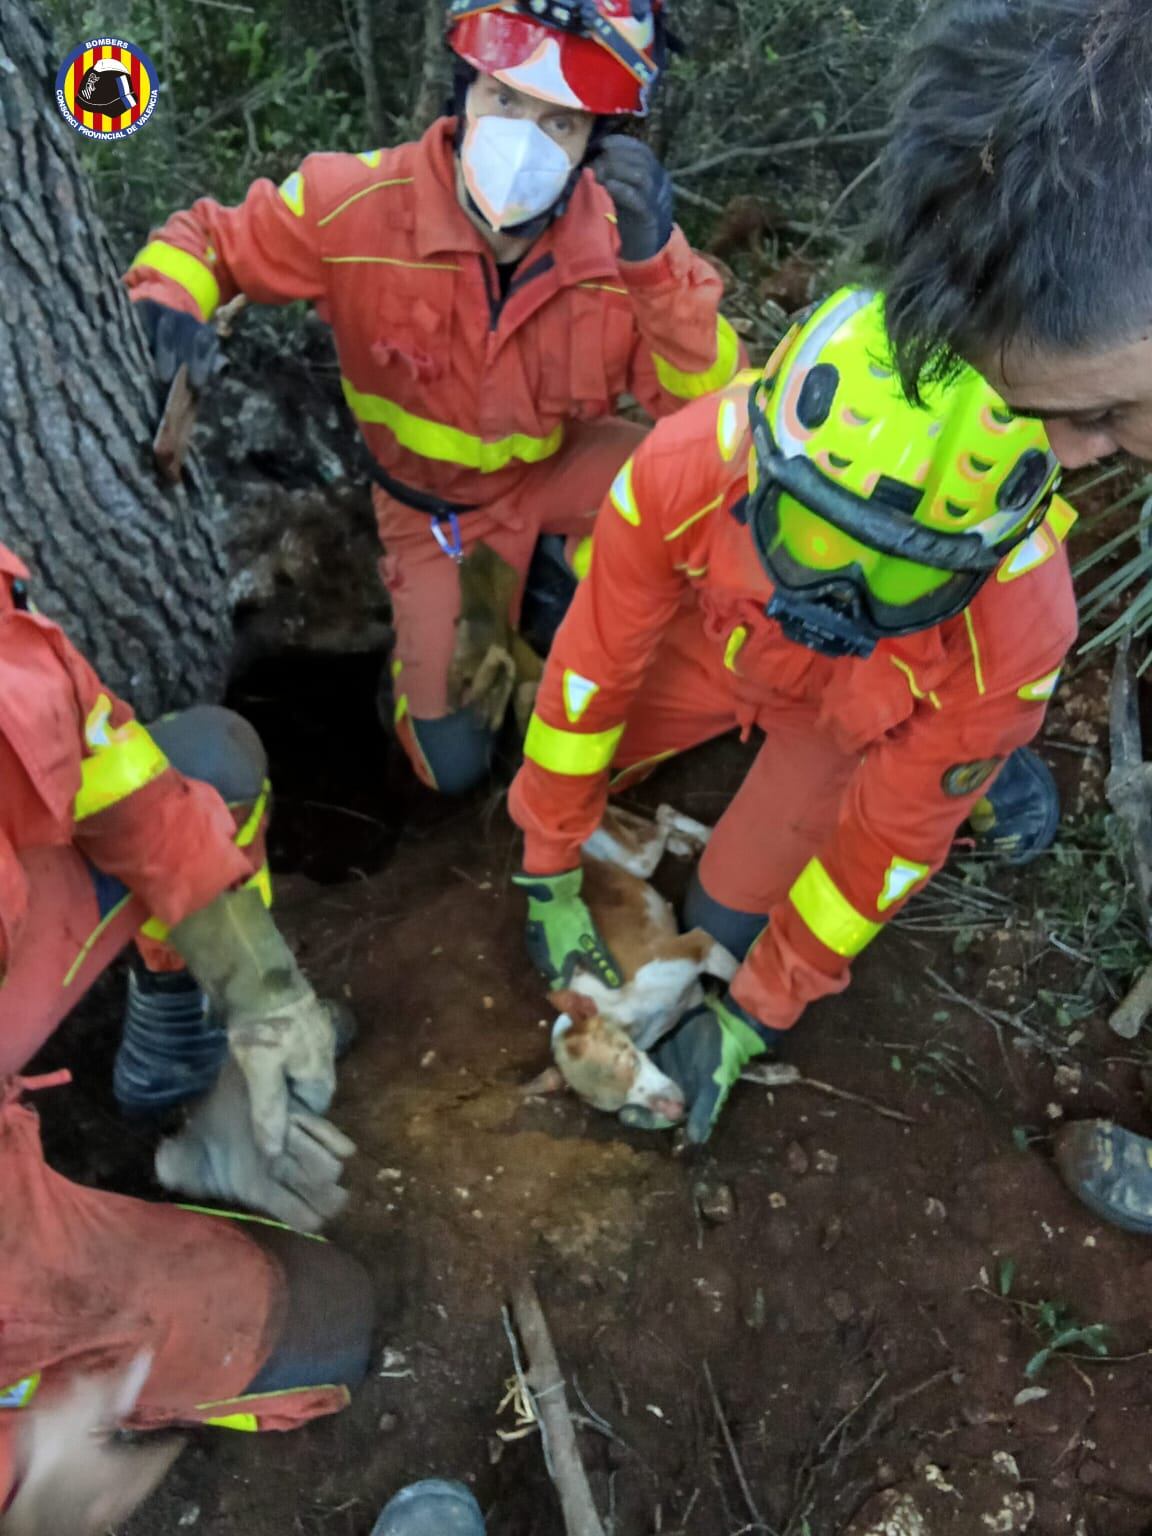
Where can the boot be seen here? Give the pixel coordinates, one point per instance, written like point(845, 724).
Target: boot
point(431, 1508)
point(1020, 815)
point(172, 1046)
point(1110, 1170)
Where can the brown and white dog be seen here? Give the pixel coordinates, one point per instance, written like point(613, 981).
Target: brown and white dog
point(601, 1040)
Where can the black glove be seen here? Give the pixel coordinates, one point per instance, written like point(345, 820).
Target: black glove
point(641, 189)
point(177, 338)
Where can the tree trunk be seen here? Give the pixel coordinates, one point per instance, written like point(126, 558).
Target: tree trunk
point(134, 570)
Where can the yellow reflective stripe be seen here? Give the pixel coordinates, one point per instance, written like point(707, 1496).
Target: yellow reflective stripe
point(370, 157)
point(571, 752)
point(291, 190)
point(645, 765)
point(977, 665)
point(391, 261)
point(192, 275)
point(92, 939)
point(735, 645)
point(694, 571)
point(1061, 517)
point(397, 666)
point(917, 691)
point(247, 833)
point(729, 429)
point(396, 181)
point(581, 561)
point(155, 929)
point(828, 912)
point(261, 881)
point(695, 518)
point(603, 287)
point(449, 445)
point(1043, 688)
point(690, 386)
point(246, 1422)
point(622, 496)
point(259, 1221)
point(124, 759)
point(400, 710)
point(249, 1423)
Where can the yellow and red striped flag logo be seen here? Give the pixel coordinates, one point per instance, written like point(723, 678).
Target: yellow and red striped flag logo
point(106, 88)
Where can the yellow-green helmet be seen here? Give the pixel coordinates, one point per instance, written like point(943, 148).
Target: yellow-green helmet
point(875, 517)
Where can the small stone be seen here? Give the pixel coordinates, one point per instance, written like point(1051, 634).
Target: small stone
point(387, 1423)
point(796, 1158)
point(715, 1202)
point(1029, 1395)
point(1054, 1111)
point(826, 1162)
point(833, 1232)
point(1068, 1077)
point(393, 1360)
point(428, 1058)
point(489, 1002)
point(190, 1515)
point(935, 1210)
point(389, 1175)
point(777, 1201)
point(841, 1306)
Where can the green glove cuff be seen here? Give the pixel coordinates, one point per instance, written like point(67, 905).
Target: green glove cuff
point(743, 1036)
point(238, 955)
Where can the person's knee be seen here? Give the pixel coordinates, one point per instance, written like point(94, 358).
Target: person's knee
point(215, 745)
point(329, 1313)
point(736, 930)
point(456, 751)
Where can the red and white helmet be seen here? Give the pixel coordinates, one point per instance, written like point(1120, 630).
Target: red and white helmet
point(603, 56)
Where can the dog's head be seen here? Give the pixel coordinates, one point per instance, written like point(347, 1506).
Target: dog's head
point(600, 1063)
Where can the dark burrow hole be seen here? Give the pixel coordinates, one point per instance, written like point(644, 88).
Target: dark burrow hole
point(342, 789)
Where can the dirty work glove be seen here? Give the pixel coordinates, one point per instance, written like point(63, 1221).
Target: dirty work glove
point(704, 1056)
point(176, 338)
point(640, 188)
point(279, 1032)
point(215, 1157)
point(561, 934)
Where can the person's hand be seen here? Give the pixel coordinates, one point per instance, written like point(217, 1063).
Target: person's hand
point(176, 338)
point(561, 934)
point(704, 1056)
point(279, 1032)
point(216, 1157)
point(642, 192)
point(286, 1051)
point(74, 1477)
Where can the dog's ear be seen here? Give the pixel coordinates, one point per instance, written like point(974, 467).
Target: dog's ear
point(574, 1004)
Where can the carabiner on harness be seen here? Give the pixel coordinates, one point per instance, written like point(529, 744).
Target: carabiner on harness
point(450, 542)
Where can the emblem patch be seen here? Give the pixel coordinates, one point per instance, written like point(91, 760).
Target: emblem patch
point(966, 778)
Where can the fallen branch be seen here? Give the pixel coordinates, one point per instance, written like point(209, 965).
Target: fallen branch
point(546, 1385)
point(1129, 791)
point(733, 1454)
point(783, 147)
point(783, 1075)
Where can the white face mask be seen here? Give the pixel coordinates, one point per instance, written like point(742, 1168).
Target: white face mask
point(513, 170)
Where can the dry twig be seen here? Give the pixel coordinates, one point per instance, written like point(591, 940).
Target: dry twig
point(733, 1454)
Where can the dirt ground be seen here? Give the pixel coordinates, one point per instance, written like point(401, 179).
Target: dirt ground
point(835, 1268)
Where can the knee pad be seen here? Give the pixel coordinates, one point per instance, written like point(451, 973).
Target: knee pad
point(736, 930)
point(215, 745)
point(325, 1337)
point(457, 750)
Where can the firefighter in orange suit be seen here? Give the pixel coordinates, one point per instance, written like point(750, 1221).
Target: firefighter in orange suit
point(108, 828)
point(881, 589)
point(493, 290)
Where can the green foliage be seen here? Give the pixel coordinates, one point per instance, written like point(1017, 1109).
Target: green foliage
point(1054, 1325)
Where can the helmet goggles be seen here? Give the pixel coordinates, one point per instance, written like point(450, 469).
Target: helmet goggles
point(885, 517)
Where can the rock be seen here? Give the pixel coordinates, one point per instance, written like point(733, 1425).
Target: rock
point(841, 1306)
point(715, 1202)
point(796, 1158)
point(971, 1499)
point(826, 1162)
point(387, 1423)
point(935, 1210)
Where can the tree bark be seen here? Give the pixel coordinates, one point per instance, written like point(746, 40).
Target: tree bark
point(134, 570)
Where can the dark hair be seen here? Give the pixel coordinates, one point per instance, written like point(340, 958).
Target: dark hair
point(1016, 188)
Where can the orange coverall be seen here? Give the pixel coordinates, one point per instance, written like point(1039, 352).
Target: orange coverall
point(97, 833)
point(501, 404)
point(868, 766)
